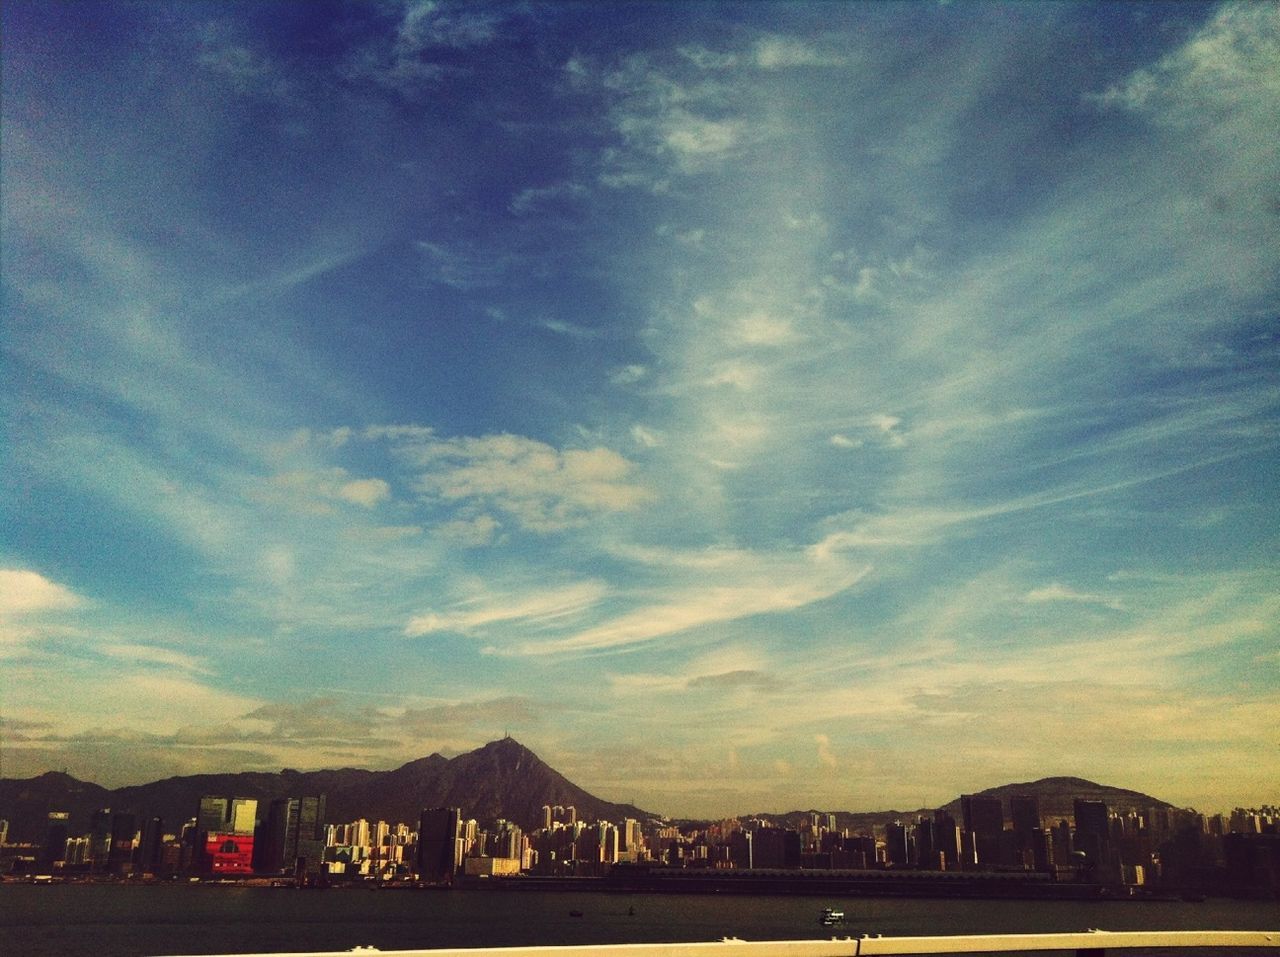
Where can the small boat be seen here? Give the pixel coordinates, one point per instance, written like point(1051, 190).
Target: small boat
point(831, 917)
point(575, 913)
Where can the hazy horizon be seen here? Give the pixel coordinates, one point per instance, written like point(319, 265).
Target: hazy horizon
point(838, 405)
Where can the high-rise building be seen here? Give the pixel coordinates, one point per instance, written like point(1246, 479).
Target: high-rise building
point(1093, 829)
point(926, 854)
point(57, 831)
point(1042, 856)
point(439, 842)
point(1024, 809)
point(243, 816)
point(277, 847)
point(100, 838)
point(897, 843)
point(946, 839)
point(983, 825)
point(609, 843)
point(632, 838)
point(150, 853)
point(213, 814)
point(124, 830)
point(311, 820)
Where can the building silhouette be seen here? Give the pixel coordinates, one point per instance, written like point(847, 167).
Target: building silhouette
point(439, 844)
point(983, 826)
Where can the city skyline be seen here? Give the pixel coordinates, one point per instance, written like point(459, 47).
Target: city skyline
point(744, 405)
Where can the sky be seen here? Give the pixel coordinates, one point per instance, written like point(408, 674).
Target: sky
point(745, 406)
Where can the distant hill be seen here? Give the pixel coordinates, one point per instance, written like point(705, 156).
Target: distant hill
point(503, 779)
point(1055, 795)
point(26, 803)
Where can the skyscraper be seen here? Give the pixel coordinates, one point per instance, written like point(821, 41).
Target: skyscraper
point(100, 838)
point(438, 844)
point(149, 857)
point(983, 825)
point(1092, 830)
point(124, 829)
point(311, 821)
point(946, 839)
point(213, 815)
point(277, 847)
point(54, 849)
point(897, 843)
point(1025, 811)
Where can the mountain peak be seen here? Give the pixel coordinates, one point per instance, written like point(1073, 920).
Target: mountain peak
point(505, 746)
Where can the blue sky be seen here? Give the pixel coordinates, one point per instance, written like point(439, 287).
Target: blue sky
point(746, 406)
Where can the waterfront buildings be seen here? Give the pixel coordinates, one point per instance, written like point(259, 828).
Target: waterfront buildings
point(235, 837)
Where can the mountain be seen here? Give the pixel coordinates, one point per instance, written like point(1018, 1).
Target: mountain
point(503, 779)
point(26, 803)
point(1056, 797)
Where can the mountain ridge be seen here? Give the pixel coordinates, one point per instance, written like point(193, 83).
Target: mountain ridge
point(1056, 796)
point(502, 779)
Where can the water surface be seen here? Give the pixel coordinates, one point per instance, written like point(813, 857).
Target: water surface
point(137, 921)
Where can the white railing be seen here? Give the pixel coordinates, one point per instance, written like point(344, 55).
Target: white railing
point(1093, 942)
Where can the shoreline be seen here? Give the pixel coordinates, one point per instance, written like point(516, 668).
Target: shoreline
point(744, 884)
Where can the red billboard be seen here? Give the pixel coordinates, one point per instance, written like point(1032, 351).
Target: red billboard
point(229, 853)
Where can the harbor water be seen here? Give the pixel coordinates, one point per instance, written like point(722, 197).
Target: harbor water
point(148, 921)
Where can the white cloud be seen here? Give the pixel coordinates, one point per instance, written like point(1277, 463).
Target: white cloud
point(762, 329)
point(153, 656)
point(366, 492)
point(1231, 64)
point(537, 607)
point(694, 139)
point(313, 491)
point(534, 198)
point(628, 375)
point(741, 375)
point(771, 52)
point(459, 266)
point(573, 330)
point(431, 23)
point(27, 592)
point(781, 52)
point(476, 531)
point(645, 436)
point(543, 488)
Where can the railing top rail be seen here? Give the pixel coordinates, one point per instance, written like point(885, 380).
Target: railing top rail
point(1093, 940)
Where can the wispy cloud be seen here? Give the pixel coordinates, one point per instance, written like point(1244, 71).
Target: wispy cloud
point(23, 591)
point(536, 608)
point(743, 586)
point(1058, 592)
point(412, 51)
